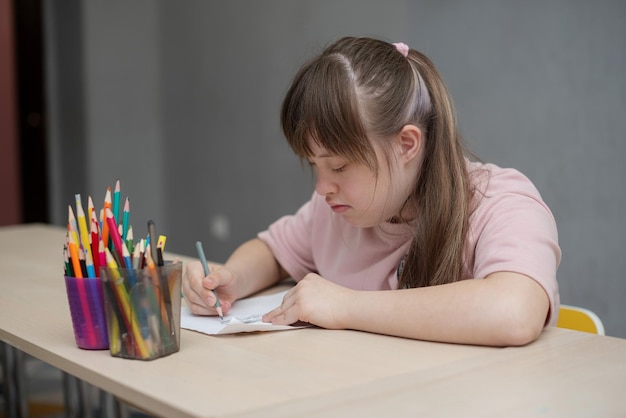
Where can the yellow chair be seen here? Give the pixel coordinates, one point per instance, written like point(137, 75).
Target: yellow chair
point(579, 319)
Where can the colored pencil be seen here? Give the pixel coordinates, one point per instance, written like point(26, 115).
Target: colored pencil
point(82, 226)
point(205, 266)
point(128, 263)
point(114, 235)
point(68, 266)
point(91, 271)
point(81, 260)
point(105, 226)
point(73, 250)
point(90, 207)
point(94, 242)
point(102, 253)
point(160, 249)
point(158, 259)
point(136, 255)
point(153, 240)
point(142, 250)
point(130, 240)
point(116, 202)
point(125, 219)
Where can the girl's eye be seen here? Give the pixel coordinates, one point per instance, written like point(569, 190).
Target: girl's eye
point(339, 169)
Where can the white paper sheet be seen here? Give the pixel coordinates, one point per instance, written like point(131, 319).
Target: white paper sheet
point(244, 316)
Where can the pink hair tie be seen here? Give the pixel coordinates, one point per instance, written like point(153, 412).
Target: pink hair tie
point(402, 48)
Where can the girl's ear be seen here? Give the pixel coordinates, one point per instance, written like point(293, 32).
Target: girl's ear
point(410, 142)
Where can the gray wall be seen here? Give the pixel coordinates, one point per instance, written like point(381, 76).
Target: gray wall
point(180, 101)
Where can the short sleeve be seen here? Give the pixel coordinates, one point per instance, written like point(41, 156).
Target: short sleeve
point(514, 230)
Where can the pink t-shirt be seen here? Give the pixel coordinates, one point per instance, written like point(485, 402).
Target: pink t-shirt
point(511, 229)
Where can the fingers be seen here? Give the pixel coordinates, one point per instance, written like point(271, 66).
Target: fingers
point(285, 314)
point(198, 289)
point(278, 316)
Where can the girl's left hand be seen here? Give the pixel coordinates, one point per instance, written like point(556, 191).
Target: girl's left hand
point(314, 300)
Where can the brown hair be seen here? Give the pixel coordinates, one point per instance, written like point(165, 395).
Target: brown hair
point(359, 90)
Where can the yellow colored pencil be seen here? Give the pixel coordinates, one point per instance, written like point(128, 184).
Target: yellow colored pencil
point(82, 227)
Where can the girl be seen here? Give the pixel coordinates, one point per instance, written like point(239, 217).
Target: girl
point(404, 234)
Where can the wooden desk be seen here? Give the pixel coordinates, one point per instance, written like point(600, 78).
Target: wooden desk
point(307, 372)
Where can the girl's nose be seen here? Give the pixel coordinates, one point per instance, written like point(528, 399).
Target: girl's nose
point(324, 186)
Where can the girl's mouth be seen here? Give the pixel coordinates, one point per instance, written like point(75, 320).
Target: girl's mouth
point(339, 208)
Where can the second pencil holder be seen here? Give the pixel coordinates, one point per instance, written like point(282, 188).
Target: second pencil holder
point(143, 310)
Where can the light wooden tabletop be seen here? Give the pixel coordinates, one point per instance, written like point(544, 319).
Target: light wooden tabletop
point(307, 372)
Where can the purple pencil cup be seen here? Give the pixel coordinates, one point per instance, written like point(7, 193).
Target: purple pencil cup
point(85, 299)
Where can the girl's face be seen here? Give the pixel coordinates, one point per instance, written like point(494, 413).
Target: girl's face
point(354, 191)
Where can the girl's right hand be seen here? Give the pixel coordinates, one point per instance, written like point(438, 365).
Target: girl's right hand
point(198, 289)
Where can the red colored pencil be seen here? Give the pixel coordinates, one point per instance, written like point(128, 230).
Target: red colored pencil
point(105, 226)
point(115, 234)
